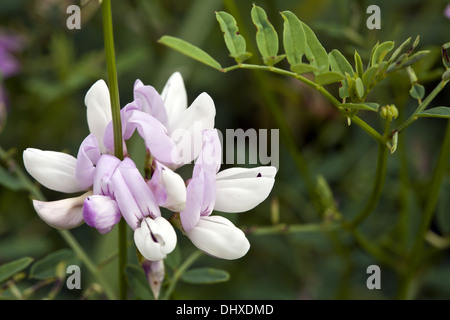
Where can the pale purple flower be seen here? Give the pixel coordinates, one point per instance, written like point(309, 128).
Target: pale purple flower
point(447, 11)
point(183, 124)
point(10, 44)
point(9, 66)
point(231, 190)
point(120, 190)
point(64, 173)
point(115, 188)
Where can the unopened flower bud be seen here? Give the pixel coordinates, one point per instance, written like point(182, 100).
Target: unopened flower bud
point(389, 112)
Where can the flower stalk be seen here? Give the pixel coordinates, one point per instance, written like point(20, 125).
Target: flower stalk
point(117, 128)
point(427, 216)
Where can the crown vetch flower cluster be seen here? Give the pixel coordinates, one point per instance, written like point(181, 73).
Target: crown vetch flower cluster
point(112, 189)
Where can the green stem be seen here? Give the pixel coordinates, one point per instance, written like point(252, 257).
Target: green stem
point(430, 206)
point(362, 124)
point(423, 105)
point(180, 271)
point(293, 228)
point(117, 128)
point(283, 72)
point(287, 135)
point(374, 250)
point(380, 176)
point(369, 130)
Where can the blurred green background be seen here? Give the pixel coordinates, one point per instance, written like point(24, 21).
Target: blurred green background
point(46, 111)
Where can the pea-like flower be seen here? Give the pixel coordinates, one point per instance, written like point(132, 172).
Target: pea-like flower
point(62, 172)
point(231, 190)
point(113, 188)
point(183, 124)
point(120, 190)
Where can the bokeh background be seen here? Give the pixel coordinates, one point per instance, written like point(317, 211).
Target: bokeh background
point(44, 108)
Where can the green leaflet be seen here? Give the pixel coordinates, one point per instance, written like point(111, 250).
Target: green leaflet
point(315, 52)
point(359, 86)
point(339, 63)
point(369, 76)
point(405, 60)
point(299, 40)
point(46, 267)
point(415, 57)
point(302, 68)
point(328, 77)
point(358, 65)
point(205, 276)
point(399, 49)
point(234, 41)
point(380, 51)
point(190, 50)
point(9, 269)
point(417, 91)
point(266, 36)
point(294, 38)
point(437, 112)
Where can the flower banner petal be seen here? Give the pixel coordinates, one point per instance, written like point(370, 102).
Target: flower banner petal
point(151, 101)
point(187, 129)
point(98, 105)
point(175, 97)
point(160, 145)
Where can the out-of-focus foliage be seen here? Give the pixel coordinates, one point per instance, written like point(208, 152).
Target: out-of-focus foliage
point(46, 111)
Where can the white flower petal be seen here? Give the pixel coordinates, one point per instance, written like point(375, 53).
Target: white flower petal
point(175, 97)
point(62, 214)
point(175, 189)
point(98, 105)
point(54, 170)
point(218, 237)
point(187, 129)
point(242, 189)
point(155, 238)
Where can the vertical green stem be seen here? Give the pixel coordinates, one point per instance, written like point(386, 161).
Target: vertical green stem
point(380, 176)
point(430, 206)
point(117, 127)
